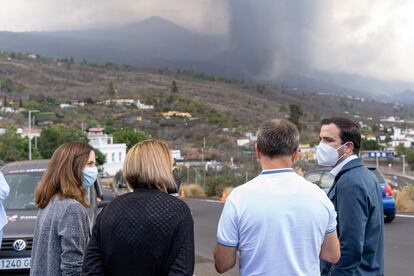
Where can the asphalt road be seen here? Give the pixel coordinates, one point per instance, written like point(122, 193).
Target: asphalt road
point(399, 240)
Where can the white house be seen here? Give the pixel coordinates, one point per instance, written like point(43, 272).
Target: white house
point(243, 142)
point(176, 154)
point(143, 106)
point(7, 110)
point(66, 105)
point(114, 153)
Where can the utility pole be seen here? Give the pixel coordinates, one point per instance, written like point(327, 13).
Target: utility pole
point(403, 164)
point(188, 173)
point(204, 165)
point(30, 132)
point(376, 159)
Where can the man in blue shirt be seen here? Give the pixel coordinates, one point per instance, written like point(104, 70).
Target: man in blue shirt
point(357, 198)
point(280, 223)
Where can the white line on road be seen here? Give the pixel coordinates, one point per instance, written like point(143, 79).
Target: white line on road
point(405, 216)
point(205, 200)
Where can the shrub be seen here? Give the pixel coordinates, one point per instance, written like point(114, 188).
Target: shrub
point(193, 190)
point(404, 199)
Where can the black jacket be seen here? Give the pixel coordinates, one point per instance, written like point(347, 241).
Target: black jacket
point(145, 232)
point(357, 198)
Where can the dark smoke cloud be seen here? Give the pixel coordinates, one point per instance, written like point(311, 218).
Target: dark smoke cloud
point(268, 37)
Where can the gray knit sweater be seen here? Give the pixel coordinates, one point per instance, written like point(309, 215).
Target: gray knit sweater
point(60, 238)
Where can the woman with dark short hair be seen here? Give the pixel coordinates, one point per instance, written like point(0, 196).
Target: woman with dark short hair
point(62, 227)
point(147, 231)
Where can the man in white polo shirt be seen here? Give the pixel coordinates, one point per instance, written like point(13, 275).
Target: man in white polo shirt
point(280, 223)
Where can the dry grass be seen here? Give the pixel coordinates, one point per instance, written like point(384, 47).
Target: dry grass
point(404, 199)
point(193, 190)
point(227, 190)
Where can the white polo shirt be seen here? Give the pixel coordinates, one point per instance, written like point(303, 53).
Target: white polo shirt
point(278, 221)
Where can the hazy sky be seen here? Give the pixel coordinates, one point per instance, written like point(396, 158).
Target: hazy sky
point(366, 37)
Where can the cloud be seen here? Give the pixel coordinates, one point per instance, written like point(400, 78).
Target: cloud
point(266, 37)
point(51, 15)
point(371, 38)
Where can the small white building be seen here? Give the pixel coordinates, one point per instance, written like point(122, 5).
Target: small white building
point(7, 110)
point(143, 106)
point(66, 105)
point(243, 142)
point(114, 153)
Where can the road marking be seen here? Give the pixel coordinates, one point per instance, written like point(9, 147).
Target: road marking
point(205, 200)
point(405, 216)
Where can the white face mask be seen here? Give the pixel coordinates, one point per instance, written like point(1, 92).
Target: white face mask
point(328, 155)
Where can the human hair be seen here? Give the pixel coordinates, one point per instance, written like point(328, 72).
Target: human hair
point(348, 130)
point(149, 164)
point(277, 138)
point(63, 175)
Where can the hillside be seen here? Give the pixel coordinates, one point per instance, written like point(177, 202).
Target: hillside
point(157, 42)
point(215, 103)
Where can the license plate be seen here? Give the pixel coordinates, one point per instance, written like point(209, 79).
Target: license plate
point(15, 263)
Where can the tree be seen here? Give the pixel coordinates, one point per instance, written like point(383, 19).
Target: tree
point(401, 149)
point(100, 157)
point(174, 87)
point(110, 90)
point(53, 136)
point(282, 108)
point(130, 136)
point(295, 113)
point(12, 146)
point(409, 156)
point(369, 145)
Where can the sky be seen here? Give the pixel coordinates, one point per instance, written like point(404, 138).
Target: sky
point(363, 37)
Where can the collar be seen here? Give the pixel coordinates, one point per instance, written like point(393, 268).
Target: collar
point(275, 171)
point(339, 167)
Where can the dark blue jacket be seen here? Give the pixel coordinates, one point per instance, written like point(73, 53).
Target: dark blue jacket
point(357, 198)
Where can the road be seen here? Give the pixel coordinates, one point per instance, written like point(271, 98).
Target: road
point(399, 240)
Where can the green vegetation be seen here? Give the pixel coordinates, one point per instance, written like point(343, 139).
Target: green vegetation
point(295, 113)
point(130, 136)
point(110, 90)
point(8, 85)
point(174, 87)
point(409, 154)
point(100, 157)
point(369, 145)
point(52, 137)
point(14, 148)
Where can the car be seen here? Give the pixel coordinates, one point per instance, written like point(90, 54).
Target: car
point(21, 210)
point(322, 178)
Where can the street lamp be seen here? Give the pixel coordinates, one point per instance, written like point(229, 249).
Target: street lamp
point(30, 132)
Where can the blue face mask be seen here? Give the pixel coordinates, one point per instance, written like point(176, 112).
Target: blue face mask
point(89, 175)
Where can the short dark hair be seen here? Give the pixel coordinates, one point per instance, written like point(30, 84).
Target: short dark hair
point(277, 138)
point(348, 130)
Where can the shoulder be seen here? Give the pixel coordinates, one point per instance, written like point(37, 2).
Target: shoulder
point(70, 206)
point(246, 188)
point(356, 176)
point(153, 199)
point(357, 181)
